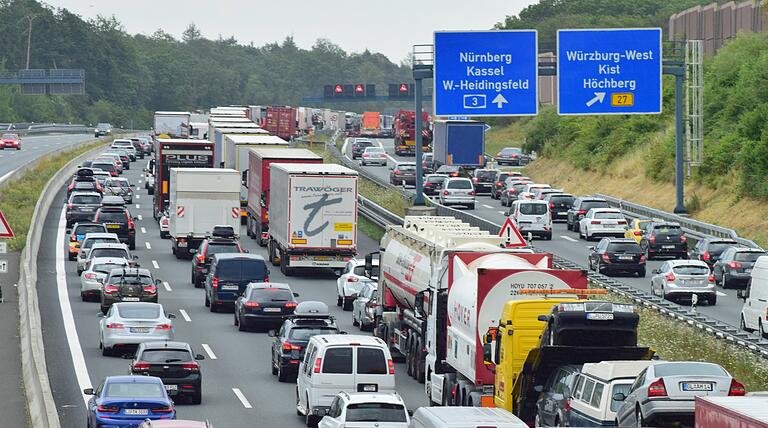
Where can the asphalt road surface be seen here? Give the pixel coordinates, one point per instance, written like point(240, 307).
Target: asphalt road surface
point(238, 387)
point(567, 244)
point(34, 146)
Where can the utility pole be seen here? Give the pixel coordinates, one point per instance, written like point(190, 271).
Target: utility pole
point(29, 19)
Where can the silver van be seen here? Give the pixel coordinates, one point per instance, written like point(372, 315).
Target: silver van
point(464, 417)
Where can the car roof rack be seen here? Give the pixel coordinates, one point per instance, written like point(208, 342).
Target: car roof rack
point(223, 231)
point(311, 310)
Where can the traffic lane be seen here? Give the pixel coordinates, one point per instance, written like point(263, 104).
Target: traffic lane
point(392, 160)
point(242, 359)
point(33, 147)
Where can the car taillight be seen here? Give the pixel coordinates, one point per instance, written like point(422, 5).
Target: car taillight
point(365, 155)
point(551, 205)
point(110, 289)
point(167, 409)
point(288, 347)
point(397, 171)
point(193, 366)
point(165, 327)
point(606, 258)
point(71, 186)
point(454, 174)
point(638, 233)
point(683, 239)
point(594, 222)
point(445, 193)
point(250, 304)
point(734, 265)
point(515, 156)
point(657, 388)
point(498, 184)
point(736, 389)
point(642, 258)
point(72, 238)
point(711, 278)
point(391, 365)
point(474, 179)
point(705, 256)
point(201, 258)
point(140, 366)
point(352, 279)
point(150, 289)
point(70, 206)
point(372, 304)
point(670, 277)
point(115, 325)
point(215, 283)
point(318, 363)
point(471, 193)
point(107, 409)
point(581, 212)
point(652, 238)
point(291, 304)
point(89, 275)
point(621, 222)
point(567, 406)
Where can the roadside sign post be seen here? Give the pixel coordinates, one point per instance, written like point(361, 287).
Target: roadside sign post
point(609, 71)
point(3, 266)
point(486, 73)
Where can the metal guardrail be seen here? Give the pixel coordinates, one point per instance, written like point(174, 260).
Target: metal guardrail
point(692, 227)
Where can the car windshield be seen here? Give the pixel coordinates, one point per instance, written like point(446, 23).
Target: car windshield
point(533, 209)
point(609, 215)
point(691, 270)
point(622, 388)
point(107, 267)
point(134, 390)
point(304, 333)
point(131, 279)
point(9, 137)
point(748, 256)
point(270, 295)
point(624, 247)
point(86, 199)
point(118, 253)
point(221, 248)
point(138, 312)
point(511, 150)
point(688, 369)
point(376, 412)
point(166, 355)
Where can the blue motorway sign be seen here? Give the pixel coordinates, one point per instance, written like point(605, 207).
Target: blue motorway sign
point(609, 71)
point(486, 73)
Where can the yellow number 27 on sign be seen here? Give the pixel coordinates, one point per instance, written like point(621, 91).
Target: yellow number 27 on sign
point(622, 99)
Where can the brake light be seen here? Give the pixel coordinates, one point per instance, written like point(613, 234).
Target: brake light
point(657, 388)
point(397, 171)
point(70, 206)
point(140, 366)
point(167, 409)
point(89, 275)
point(165, 327)
point(445, 193)
point(291, 304)
point(250, 304)
point(193, 366)
point(72, 237)
point(200, 259)
point(352, 279)
point(130, 221)
point(71, 186)
point(471, 193)
point(652, 238)
point(391, 366)
point(551, 205)
point(711, 278)
point(454, 174)
point(606, 258)
point(594, 222)
point(638, 233)
point(115, 325)
point(107, 409)
point(498, 184)
point(734, 265)
point(683, 239)
point(474, 179)
point(581, 212)
point(670, 277)
point(215, 282)
point(318, 363)
point(150, 289)
point(110, 289)
point(622, 222)
point(642, 258)
point(288, 347)
point(705, 256)
point(567, 406)
point(736, 389)
point(372, 304)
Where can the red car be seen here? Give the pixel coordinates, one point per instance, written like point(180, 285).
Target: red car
point(10, 141)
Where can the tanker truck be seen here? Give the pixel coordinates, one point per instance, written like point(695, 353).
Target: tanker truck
point(442, 285)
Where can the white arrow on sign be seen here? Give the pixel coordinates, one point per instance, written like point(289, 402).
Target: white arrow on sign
point(499, 101)
point(599, 96)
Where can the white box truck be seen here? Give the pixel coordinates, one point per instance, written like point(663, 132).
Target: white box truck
point(312, 216)
point(201, 198)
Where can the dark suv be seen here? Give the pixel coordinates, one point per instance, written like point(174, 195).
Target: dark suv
point(290, 341)
point(128, 285)
point(264, 304)
point(175, 364)
point(483, 180)
point(203, 255)
point(554, 403)
point(403, 172)
point(229, 275)
point(734, 268)
point(359, 146)
point(708, 250)
point(664, 239)
point(115, 216)
point(81, 207)
point(499, 184)
point(453, 171)
point(612, 255)
point(579, 210)
point(559, 204)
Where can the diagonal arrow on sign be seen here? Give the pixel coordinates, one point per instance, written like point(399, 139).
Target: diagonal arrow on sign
point(599, 97)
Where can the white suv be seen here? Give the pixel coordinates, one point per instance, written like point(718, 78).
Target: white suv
point(602, 222)
point(336, 363)
point(458, 191)
point(350, 409)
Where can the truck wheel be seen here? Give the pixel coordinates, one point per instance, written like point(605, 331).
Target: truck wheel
point(262, 242)
point(287, 271)
point(420, 363)
point(272, 253)
point(248, 227)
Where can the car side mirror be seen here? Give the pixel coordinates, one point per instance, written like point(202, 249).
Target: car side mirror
point(171, 316)
point(591, 248)
point(543, 318)
point(487, 353)
point(158, 283)
point(295, 294)
point(272, 333)
point(538, 388)
point(410, 412)
point(199, 357)
point(88, 391)
point(619, 396)
point(742, 294)
point(656, 271)
point(100, 315)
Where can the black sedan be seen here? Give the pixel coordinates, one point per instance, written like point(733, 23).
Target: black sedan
point(264, 303)
point(613, 255)
point(433, 183)
point(175, 364)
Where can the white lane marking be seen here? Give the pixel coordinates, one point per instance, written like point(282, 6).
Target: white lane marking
point(209, 351)
point(154, 263)
point(487, 206)
point(143, 230)
point(138, 206)
point(185, 315)
point(139, 181)
point(73, 340)
point(167, 286)
point(140, 217)
point(720, 293)
point(568, 238)
point(138, 196)
point(149, 247)
point(242, 398)
point(395, 161)
point(501, 212)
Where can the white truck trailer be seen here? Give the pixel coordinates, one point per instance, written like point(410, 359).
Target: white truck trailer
point(312, 216)
point(201, 198)
point(442, 285)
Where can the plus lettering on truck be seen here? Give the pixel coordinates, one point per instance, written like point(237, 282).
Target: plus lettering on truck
point(177, 153)
point(312, 215)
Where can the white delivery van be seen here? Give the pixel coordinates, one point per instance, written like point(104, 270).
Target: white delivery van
point(464, 417)
point(754, 313)
point(532, 217)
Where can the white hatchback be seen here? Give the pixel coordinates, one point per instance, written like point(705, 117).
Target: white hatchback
point(602, 222)
point(458, 191)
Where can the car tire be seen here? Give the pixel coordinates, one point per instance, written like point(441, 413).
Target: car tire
point(471, 206)
point(104, 309)
point(281, 375)
point(639, 422)
point(641, 273)
point(354, 322)
point(151, 191)
point(207, 301)
point(712, 300)
point(761, 330)
point(197, 396)
point(346, 306)
point(132, 244)
point(72, 257)
point(548, 236)
point(743, 326)
point(106, 352)
point(273, 366)
point(240, 325)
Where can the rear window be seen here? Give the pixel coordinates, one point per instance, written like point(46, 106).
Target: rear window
point(240, 270)
point(86, 199)
point(690, 270)
point(338, 361)
point(533, 209)
point(221, 249)
point(668, 229)
point(459, 184)
point(406, 167)
point(688, 369)
point(609, 215)
point(747, 256)
point(166, 356)
point(485, 174)
point(104, 166)
point(271, 295)
point(562, 200)
point(304, 333)
point(131, 311)
point(587, 205)
point(719, 247)
point(371, 361)
point(118, 253)
point(106, 268)
point(435, 179)
point(624, 247)
point(112, 217)
point(135, 390)
point(82, 230)
point(363, 144)
point(89, 242)
point(374, 150)
point(143, 280)
point(376, 412)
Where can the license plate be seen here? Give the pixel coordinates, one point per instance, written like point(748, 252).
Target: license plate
point(747, 270)
point(182, 244)
point(562, 213)
point(322, 258)
point(139, 329)
point(230, 287)
point(668, 247)
point(86, 209)
point(171, 387)
point(130, 299)
point(136, 411)
point(599, 316)
point(625, 257)
point(697, 386)
point(367, 387)
point(113, 226)
point(272, 309)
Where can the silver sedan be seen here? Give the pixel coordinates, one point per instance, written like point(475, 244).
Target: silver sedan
point(128, 324)
point(677, 279)
point(92, 280)
point(360, 315)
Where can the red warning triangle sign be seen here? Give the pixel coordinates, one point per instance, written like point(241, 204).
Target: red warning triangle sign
point(512, 235)
point(5, 229)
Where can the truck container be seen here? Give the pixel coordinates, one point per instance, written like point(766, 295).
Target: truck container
point(459, 142)
point(200, 199)
point(371, 124)
point(340, 120)
point(256, 114)
point(232, 111)
point(236, 148)
point(312, 216)
point(442, 284)
point(387, 126)
point(303, 119)
point(259, 160)
point(217, 130)
point(731, 412)
point(171, 124)
point(177, 153)
point(405, 133)
point(198, 130)
point(281, 121)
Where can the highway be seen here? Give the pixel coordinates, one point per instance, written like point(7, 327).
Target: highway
point(567, 245)
point(34, 146)
point(238, 387)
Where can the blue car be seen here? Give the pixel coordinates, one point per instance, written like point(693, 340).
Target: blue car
point(127, 401)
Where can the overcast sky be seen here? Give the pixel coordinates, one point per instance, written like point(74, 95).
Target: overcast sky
point(387, 26)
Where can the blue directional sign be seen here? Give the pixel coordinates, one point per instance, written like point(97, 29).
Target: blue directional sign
point(486, 73)
point(609, 71)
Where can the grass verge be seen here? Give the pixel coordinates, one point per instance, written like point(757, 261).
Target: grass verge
point(18, 197)
point(370, 229)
